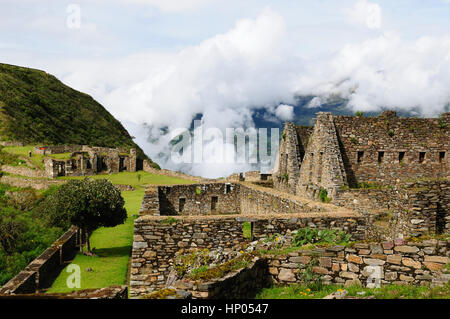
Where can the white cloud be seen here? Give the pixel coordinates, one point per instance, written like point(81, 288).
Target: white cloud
point(229, 76)
point(169, 5)
point(365, 13)
point(252, 66)
point(386, 72)
point(285, 112)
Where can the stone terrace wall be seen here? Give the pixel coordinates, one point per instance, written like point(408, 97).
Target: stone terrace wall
point(42, 271)
point(390, 134)
point(417, 263)
point(155, 242)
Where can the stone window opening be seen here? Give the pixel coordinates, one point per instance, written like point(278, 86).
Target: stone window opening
point(214, 201)
point(360, 156)
point(441, 157)
point(422, 157)
point(401, 156)
point(181, 203)
point(380, 157)
point(88, 164)
point(227, 188)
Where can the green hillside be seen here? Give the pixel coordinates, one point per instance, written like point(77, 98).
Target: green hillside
point(35, 107)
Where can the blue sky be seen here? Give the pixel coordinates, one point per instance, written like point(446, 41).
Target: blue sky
point(161, 62)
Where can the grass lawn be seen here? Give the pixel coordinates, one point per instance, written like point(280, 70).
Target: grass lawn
point(297, 291)
point(23, 151)
point(113, 245)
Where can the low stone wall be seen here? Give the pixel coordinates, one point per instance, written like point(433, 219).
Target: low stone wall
point(37, 184)
point(42, 271)
point(156, 241)
point(241, 284)
point(417, 263)
point(23, 171)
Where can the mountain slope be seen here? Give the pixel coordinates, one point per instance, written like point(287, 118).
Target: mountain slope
point(35, 107)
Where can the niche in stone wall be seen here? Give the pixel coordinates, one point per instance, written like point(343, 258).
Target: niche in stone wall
point(401, 156)
point(181, 203)
point(214, 201)
point(441, 157)
point(360, 156)
point(380, 157)
point(422, 157)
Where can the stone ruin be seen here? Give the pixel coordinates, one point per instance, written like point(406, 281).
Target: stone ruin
point(341, 152)
point(365, 167)
point(86, 160)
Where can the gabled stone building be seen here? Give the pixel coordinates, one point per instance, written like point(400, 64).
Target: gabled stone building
point(341, 152)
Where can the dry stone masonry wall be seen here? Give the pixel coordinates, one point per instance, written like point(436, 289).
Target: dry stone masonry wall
point(157, 240)
point(384, 149)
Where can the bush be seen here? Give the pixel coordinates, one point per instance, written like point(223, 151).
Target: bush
point(323, 196)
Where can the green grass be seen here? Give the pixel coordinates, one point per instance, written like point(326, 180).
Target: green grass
point(247, 230)
point(297, 291)
point(113, 245)
point(133, 180)
point(23, 151)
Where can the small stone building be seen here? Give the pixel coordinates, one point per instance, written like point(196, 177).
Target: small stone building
point(86, 160)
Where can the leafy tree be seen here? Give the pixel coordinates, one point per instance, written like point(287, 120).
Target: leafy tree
point(10, 230)
point(88, 204)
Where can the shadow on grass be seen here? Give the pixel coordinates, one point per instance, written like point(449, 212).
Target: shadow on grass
point(113, 251)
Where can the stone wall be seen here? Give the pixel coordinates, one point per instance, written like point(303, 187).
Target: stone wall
point(241, 284)
point(322, 165)
point(226, 198)
point(348, 150)
point(86, 160)
point(401, 140)
point(22, 182)
point(198, 199)
point(42, 271)
point(417, 263)
point(290, 156)
point(156, 240)
point(423, 206)
point(23, 171)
